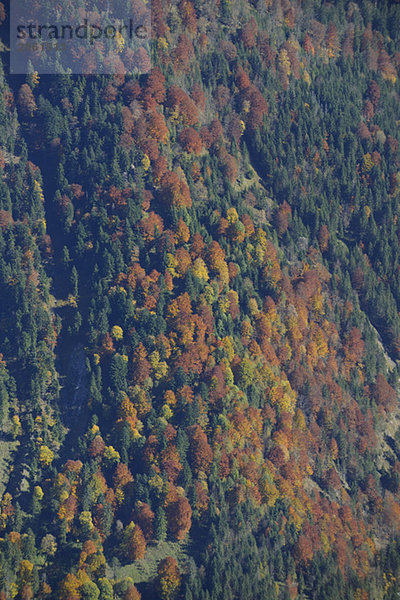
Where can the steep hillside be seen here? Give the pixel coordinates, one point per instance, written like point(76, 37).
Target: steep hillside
point(199, 317)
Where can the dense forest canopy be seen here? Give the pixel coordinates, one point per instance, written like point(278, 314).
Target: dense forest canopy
point(199, 315)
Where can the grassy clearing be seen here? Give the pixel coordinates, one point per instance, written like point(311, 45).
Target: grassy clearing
point(245, 182)
point(142, 571)
point(7, 448)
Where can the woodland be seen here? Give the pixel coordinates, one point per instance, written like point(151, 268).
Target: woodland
point(199, 311)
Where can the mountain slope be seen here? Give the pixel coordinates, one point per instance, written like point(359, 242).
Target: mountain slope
point(200, 326)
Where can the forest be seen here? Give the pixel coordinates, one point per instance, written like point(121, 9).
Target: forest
point(200, 310)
